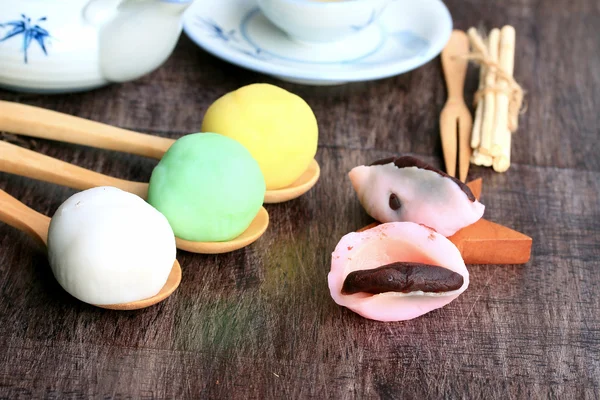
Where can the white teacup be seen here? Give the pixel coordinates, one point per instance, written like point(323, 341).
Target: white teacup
point(321, 21)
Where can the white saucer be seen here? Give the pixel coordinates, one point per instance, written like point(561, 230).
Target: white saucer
point(407, 35)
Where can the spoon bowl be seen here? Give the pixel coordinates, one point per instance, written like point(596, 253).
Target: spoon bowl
point(300, 186)
point(252, 233)
point(21, 119)
point(28, 163)
point(18, 215)
point(169, 287)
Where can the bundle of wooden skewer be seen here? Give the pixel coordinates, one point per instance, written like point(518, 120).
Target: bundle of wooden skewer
point(498, 99)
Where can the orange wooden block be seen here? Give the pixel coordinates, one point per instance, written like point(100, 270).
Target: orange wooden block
point(475, 187)
point(486, 242)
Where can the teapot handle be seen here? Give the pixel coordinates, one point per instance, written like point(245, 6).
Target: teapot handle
point(96, 12)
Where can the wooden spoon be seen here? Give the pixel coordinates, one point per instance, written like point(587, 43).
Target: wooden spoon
point(20, 161)
point(33, 121)
point(18, 215)
point(486, 242)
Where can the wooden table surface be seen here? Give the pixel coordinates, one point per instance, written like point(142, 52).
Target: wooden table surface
point(260, 323)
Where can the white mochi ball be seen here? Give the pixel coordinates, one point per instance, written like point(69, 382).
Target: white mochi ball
point(107, 246)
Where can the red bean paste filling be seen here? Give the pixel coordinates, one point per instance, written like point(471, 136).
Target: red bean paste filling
point(395, 203)
point(408, 161)
point(403, 277)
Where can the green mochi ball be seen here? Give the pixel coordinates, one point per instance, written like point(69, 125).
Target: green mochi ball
point(208, 186)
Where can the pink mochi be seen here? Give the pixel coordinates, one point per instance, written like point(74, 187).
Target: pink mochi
point(407, 189)
point(385, 244)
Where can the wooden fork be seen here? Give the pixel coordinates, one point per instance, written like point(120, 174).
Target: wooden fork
point(456, 120)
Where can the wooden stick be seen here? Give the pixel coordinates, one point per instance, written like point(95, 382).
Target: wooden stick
point(487, 127)
point(501, 163)
point(481, 159)
point(476, 133)
point(500, 136)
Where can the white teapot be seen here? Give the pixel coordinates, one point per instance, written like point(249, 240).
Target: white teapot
point(71, 45)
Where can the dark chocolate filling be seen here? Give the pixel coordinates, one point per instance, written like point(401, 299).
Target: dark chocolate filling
point(404, 277)
point(408, 161)
point(395, 202)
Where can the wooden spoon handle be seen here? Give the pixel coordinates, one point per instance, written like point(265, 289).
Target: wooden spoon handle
point(19, 161)
point(18, 215)
point(46, 124)
point(455, 68)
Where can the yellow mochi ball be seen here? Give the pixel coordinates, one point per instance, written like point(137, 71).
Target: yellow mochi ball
point(276, 126)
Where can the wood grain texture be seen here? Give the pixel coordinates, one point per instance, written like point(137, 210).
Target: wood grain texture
point(259, 323)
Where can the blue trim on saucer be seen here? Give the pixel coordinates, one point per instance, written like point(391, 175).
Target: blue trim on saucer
point(410, 41)
point(217, 31)
point(373, 17)
point(417, 47)
point(230, 38)
point(252, 14)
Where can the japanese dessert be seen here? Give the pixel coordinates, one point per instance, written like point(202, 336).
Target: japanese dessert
point(107, 246)
point(276, 126)
point(407, 189)
point(208, 186)
point(396, 271)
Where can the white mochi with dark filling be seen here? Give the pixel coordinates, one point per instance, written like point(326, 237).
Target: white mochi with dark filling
point(405, 189)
